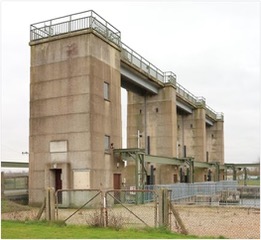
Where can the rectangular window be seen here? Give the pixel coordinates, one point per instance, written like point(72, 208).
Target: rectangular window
point(107, 143)
point(106, 91)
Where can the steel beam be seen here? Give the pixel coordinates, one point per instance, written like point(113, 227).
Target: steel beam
point(15, 164)
point(130, 76)
point(163, 160)
point(184, 107)
point(241, 165)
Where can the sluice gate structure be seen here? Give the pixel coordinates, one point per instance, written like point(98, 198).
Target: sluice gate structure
point(78, 66)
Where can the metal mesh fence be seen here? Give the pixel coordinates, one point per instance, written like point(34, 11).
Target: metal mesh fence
point(205, 210)
point(228, 221)
point(213, 193)
point(83, 206)
point(131, 208)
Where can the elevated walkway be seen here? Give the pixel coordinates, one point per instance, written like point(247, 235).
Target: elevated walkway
point(137, 73)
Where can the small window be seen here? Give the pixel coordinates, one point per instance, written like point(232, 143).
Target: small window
point(107, 143)
point(106, 91)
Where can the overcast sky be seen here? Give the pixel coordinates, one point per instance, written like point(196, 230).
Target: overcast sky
point(212, 46)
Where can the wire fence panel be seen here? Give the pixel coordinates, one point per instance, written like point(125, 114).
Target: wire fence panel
point(82, 206)
point(203, 210)
point(229, 222)
point(130, 208)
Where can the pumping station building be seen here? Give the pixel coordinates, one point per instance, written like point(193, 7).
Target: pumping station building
point(78, 67)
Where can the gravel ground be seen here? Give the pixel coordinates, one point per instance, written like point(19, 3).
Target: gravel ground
point(229, 222)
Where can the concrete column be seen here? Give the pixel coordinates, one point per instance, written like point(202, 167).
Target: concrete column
point(215, 142)
point(200, 134)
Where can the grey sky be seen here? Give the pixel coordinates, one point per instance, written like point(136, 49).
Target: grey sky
point(213, 47)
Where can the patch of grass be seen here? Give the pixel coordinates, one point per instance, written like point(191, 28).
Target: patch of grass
point(250, 182)
point(53, 230)
point(9, 206)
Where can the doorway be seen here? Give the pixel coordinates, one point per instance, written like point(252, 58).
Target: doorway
point(116, 186)
point(58, 183)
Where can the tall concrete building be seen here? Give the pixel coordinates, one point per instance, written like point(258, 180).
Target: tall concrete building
point(78, 66)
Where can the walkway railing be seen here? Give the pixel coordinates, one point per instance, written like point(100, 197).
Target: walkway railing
point(137, 60)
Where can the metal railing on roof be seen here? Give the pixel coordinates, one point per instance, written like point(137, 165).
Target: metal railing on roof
point(72, 23)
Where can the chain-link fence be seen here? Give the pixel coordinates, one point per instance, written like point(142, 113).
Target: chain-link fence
point(79, 206)
point(213, 209)
point(215, 221)
point(132, 208)
point(115, 208)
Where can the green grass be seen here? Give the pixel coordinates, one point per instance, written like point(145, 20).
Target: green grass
point(9, 206)
point(250, 182)
point(52, 230)
point(59, 230)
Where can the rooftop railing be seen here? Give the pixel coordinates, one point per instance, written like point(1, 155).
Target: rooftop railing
point(91, 20)
point(72, 23)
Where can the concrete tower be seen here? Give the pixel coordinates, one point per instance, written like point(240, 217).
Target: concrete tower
point(75, 100)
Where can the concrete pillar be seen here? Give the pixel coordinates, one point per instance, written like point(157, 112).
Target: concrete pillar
point(215, 141)
point(200, 134)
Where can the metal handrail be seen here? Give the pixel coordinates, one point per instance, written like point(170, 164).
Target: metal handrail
point(183, 92)
point(137, 60)
point(74, 22)
point(212, 113)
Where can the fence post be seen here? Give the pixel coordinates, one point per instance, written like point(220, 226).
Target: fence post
point(2, 185)
point(104, 212)
point(50, 204)
point(163, 208)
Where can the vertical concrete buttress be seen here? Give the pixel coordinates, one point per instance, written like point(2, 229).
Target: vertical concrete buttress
point(200, 134)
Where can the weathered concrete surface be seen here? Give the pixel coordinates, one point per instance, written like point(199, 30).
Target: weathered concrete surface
point(67, 104)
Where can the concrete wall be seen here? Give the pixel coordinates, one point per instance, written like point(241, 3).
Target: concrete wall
point(169, 131)
point(67, 105)
point(156, 119)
